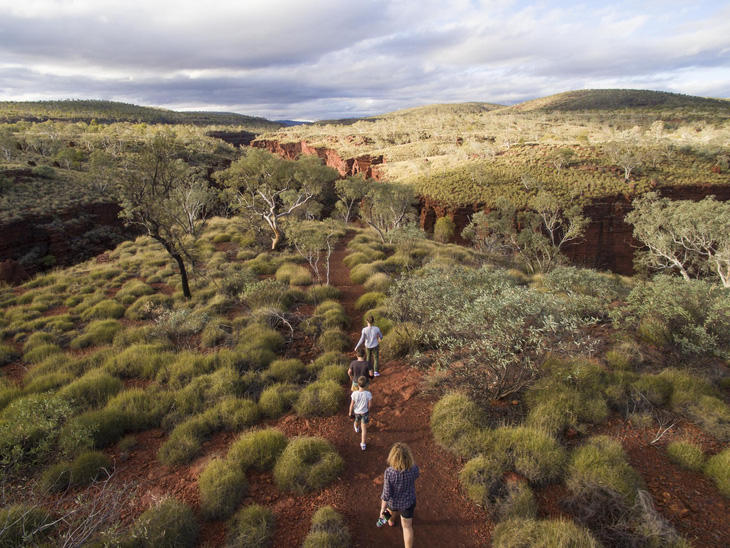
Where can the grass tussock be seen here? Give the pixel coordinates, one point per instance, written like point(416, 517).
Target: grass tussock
point(718, 469)
point(168, 524)
point(251, 527)
point(307, 464)
point(277, 399)
point(458, 424)
point(322, 398)
point(531, 533)
point(24, 525)
point(222, 487)
point(258, 449)
point(687, 455)
point(328, 530)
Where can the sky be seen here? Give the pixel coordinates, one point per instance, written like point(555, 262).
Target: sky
point(324, 59)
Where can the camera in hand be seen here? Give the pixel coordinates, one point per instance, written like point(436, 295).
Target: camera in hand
point(384, 519)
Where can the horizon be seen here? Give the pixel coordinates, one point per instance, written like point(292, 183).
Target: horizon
point(329, 59)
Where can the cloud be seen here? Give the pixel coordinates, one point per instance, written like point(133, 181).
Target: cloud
point(334, 58)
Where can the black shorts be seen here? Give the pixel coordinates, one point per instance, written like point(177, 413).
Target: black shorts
point(408, 512)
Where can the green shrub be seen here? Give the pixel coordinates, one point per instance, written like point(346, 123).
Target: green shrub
point(148, 307)
point(307, 464)
point(258, 449)
point(718, 469)
point(687, 455)
point(286, 370)
point(330, 314)
point(321, 398)
point(655, 388)
point(328, 358)
point(8, 354)
point(319, 293)
point(169, 524)
point(266, 294)
point(140, 360)
point(237, 413)
point(144, 409)
point(261, 336)
point(8, 394)
point(106, 309)
point(222, 487)
point(378, 282)
point(185, 440)
point(24, 525)
point(55, 478)
point(97, 333)
point(555, 407)
point(93, 430)
point(221, 238)
point(29, 427)
point(518, 502)
point(369, 300)
point(457, 424)
point(328, 530)
point(443, 229)
point(533, 454)
point(215, 333)
point(91, 390)
point(39, 353)
point(336, 373)
point(251, 527)
point(40, 338)
point(293, 274)
point(530, 533)
point(277, 399)
point(354, 259)
point(132, 290)
point(88, 467)
point(403, 340)
point(482, 478)
point(359, 274)
point(334, 340)
point(601, 462)
point(48, 382)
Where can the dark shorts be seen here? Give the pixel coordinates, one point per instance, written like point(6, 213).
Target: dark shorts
point(365, 417)
point(408, 512)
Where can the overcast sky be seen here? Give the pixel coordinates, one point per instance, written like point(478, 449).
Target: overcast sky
point(319, 59)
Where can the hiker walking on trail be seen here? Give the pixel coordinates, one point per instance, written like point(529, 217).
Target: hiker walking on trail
point(399, 489)
point(371, 336)
point(360, 409)
point(360, 368)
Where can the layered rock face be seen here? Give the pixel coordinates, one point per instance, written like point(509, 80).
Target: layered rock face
point(365, 164)
point(63, 239)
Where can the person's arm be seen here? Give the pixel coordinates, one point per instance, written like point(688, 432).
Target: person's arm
point(362, 340)
point(349, 373)
point(385, 495)
point(370, 399)
point(380, 335)
point(352, 405)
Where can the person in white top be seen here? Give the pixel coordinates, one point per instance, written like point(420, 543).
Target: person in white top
point(371, 336)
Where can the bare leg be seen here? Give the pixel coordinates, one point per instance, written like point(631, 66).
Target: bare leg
point(364, 427)
point(407, 524)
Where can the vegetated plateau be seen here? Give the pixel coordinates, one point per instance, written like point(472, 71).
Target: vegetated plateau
point(182, 387)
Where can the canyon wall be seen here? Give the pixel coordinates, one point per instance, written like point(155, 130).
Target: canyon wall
point(365, 164)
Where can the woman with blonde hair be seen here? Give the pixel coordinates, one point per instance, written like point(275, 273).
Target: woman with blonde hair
point(399, 489)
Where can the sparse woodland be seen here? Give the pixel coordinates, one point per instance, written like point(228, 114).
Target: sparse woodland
point(560, 393)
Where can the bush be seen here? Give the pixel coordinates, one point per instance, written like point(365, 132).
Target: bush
point(443, 229)
point(403, 340)
point(482, 478)
point(519, 502)
point(168, 524)
point(261, 336)
point(321, 398)
point(601, 462)
point(530, 533)
point(29, 427)
point(24, 525)
point(277, 399)
point(144, 409)
point(555, 407)
point(251, 527)
point(532, 453)
point(687, 455)
point(457, 425)
point(222, 487)
point(258, 449)
point(287, 371)
point(39, 353)
point(319, 293)
point(92, 390)
point(140, 360)
point(88, 467)
point(97, 333)
point(334, 340)
point(7, 354)
point(369, 300)
point(307, 464)
point(148, 307)
point(106, 309)
point(378, 282)
point(293, 274)
point(93, 430)
point(718, 469)
point(185, 440)
point(335, 373)
point(360, 274)
point(132, 290)
point(328, 530)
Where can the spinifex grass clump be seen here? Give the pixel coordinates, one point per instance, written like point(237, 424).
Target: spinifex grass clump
point(320, 398)
point(277, 399)
point(24, 525)
point(531, 533)
point(328, 530)
point(458, 425)
point(307, 464)
point(259, 449)
point(169, 524)
point(252, 526)
point(222, 487)
point(83, 470)
point(687, 455)
point(718, 468)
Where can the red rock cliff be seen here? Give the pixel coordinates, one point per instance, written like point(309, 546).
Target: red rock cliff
point(352, 166)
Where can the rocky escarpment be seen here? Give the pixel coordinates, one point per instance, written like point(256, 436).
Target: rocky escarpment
point(40, 241)
point(608, 243)
point(365, 164)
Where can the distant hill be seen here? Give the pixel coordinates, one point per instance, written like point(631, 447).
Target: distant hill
point(431, 111)
point(289, 123)
point(618, 99)
point(111, 112)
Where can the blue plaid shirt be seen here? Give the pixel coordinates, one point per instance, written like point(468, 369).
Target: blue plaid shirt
point(399, 487)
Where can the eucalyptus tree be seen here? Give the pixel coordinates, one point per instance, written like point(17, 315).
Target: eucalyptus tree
point(388, 206)
point(167, 198)
point(350, 192)
point(270, 188)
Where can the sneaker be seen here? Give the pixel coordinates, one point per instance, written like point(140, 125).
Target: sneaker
point(362, 446)
point(376, 374)
point(357, 428)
